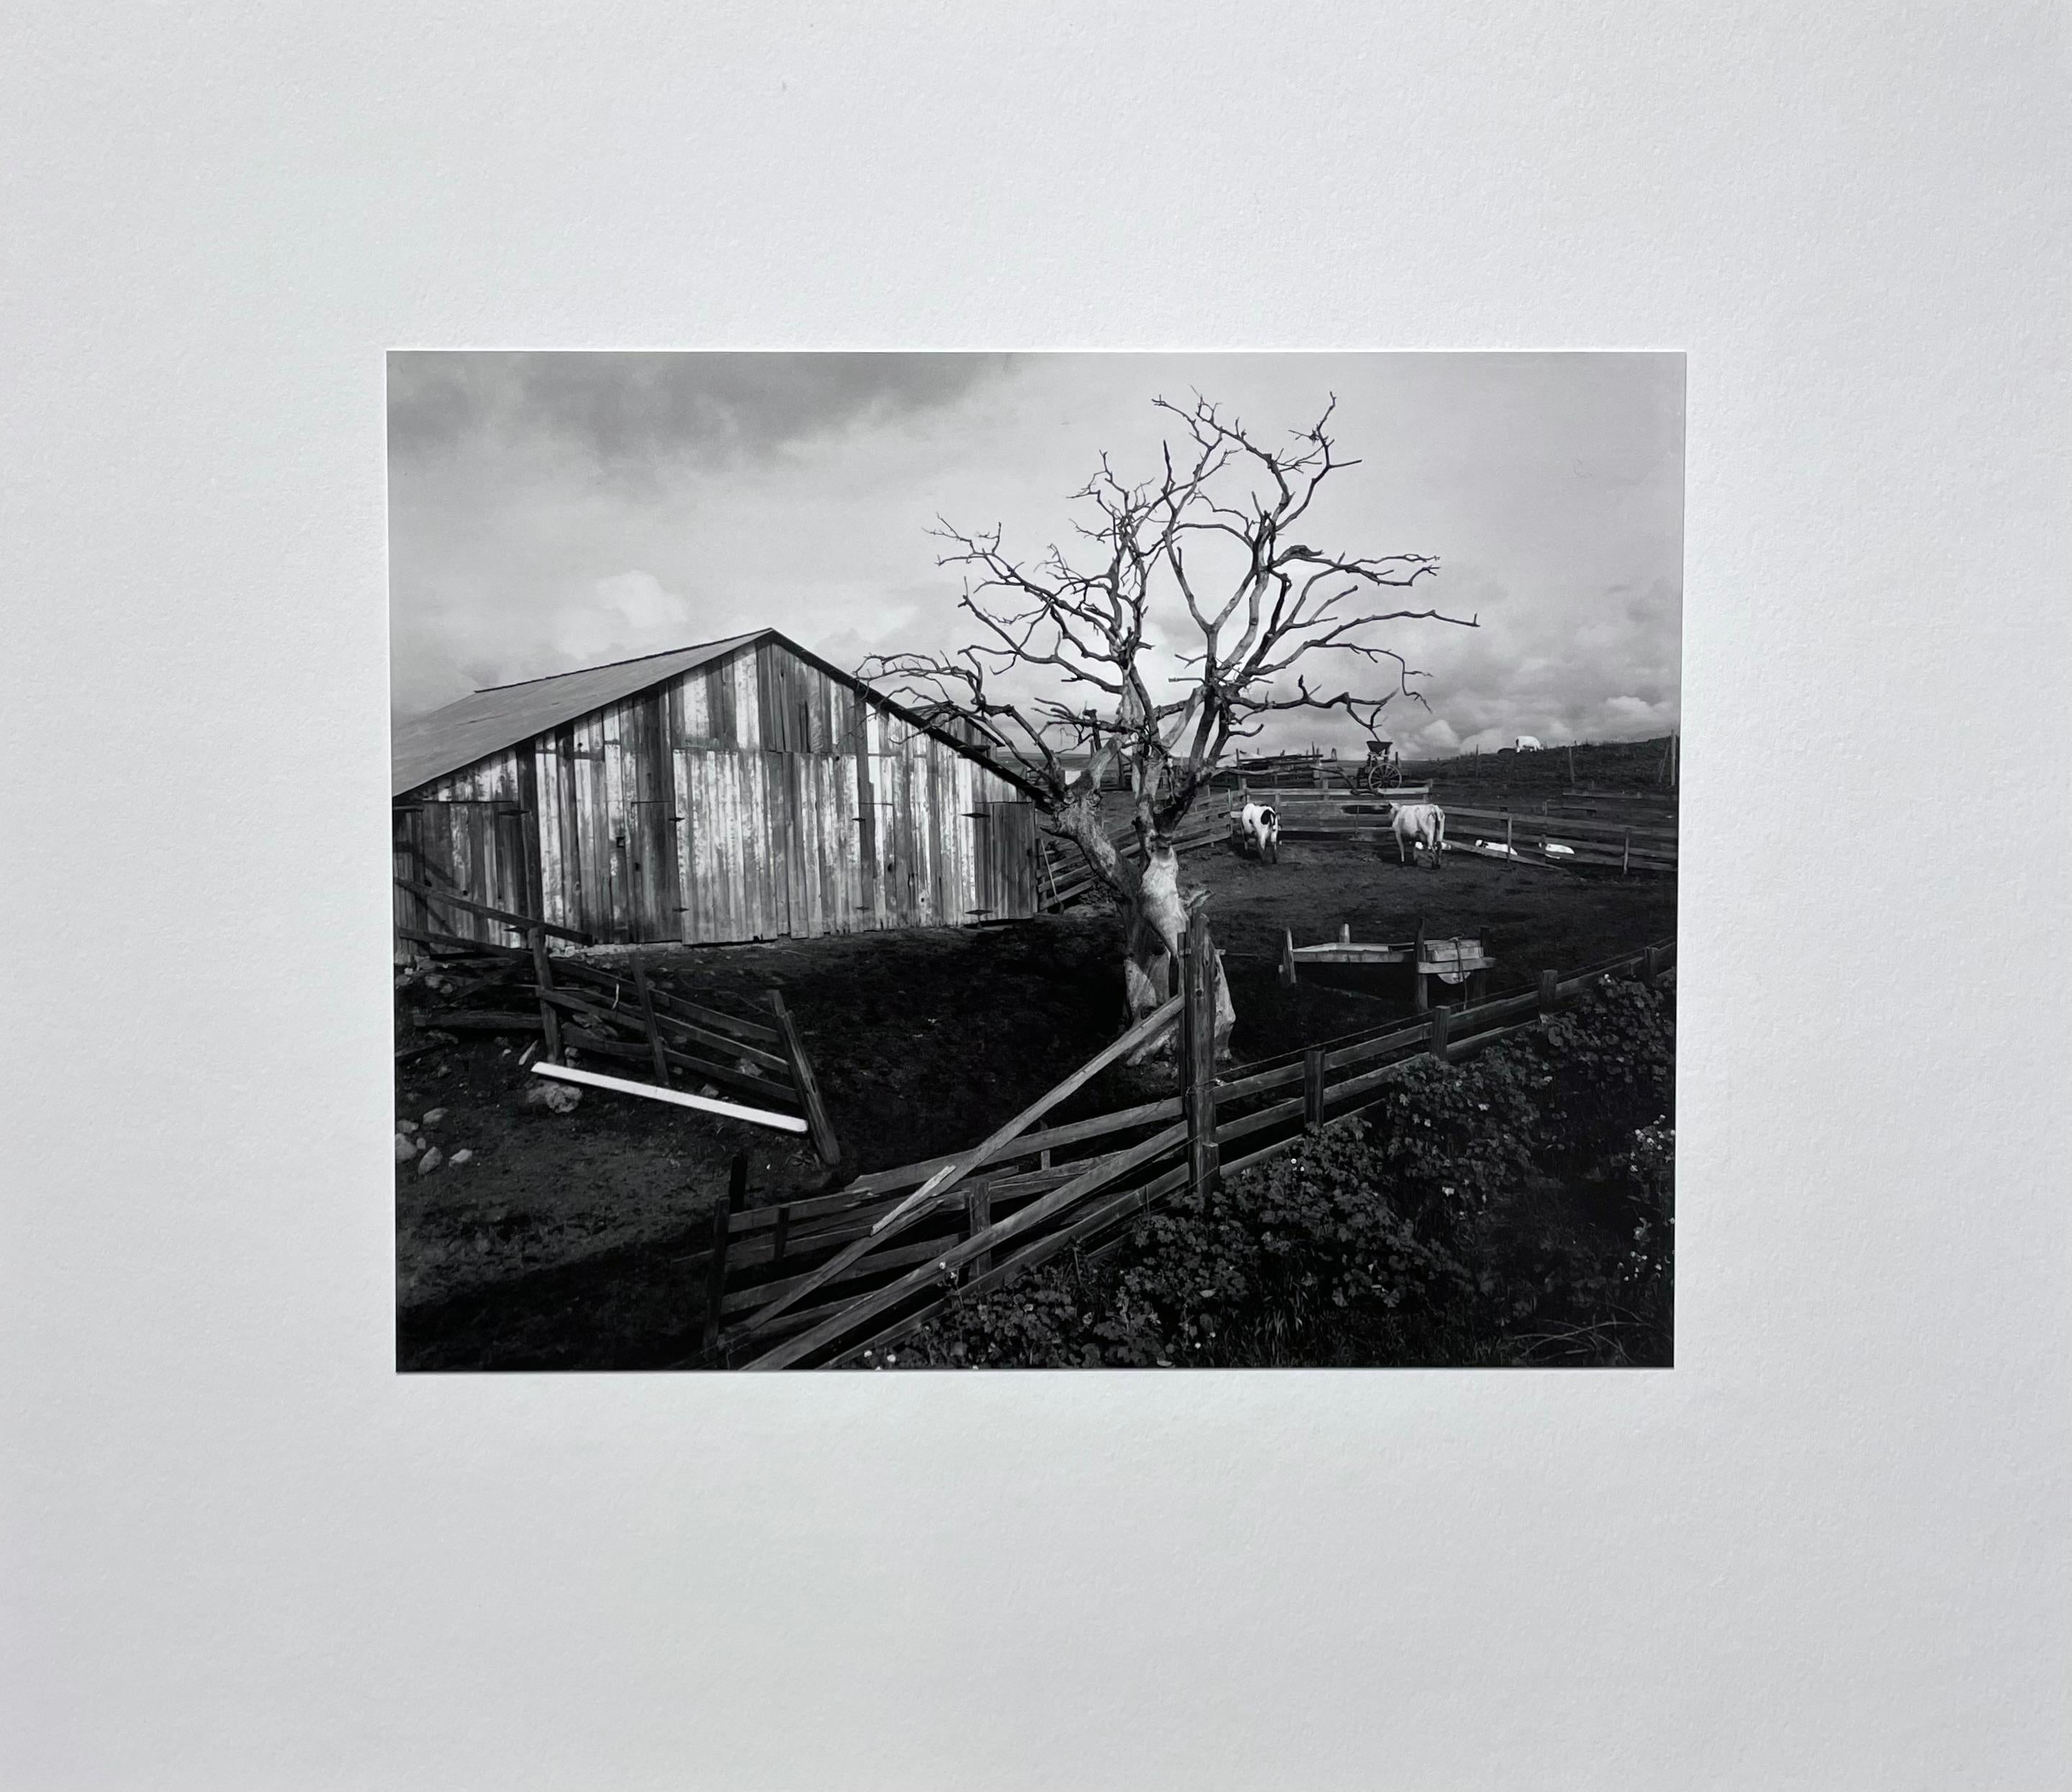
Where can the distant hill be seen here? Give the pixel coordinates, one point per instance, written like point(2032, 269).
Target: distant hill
point(1636, 766)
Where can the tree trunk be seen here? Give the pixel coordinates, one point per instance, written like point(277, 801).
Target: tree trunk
point(1154, 921)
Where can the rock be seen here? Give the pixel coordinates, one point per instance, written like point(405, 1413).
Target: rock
point(405, 1149)
point(435, 1116)
point(430, 1161)
point(709, 1090)
point(462, 1157)
point(556, 1098)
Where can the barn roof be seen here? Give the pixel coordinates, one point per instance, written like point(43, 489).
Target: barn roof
point(503, 715)
point(448, 739)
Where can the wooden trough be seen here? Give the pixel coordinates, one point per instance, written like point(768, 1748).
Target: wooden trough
point(1453, 961)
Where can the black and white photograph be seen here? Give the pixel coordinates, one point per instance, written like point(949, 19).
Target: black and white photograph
point(1035, 861)
point(1294, 777)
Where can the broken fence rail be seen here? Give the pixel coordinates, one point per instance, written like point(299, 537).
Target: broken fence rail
point(628, 1018)
point(1031, 1201)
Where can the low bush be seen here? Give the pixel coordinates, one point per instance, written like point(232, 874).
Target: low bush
point(1517, 1208)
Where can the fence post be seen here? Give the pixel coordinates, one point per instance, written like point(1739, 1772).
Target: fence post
point(819, 1127)
point(550, 1019)
point(1198, 1042)
point(978, 1215)
point(1439, 1032)
point(1424, 994)
point(1649, 966)
point(647, 1020)
point(723, 1212)
point(1313, 1087)
point(1287, 957)
point(1550, 991)
point(1626, 852)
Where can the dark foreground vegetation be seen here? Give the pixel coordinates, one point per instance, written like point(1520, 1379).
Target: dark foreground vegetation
point(1515, 1209)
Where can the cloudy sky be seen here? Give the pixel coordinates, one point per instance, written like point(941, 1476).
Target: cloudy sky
point(548, 511)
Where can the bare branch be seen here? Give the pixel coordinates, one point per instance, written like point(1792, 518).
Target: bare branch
point(1081, 624)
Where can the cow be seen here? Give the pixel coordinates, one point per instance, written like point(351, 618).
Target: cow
point(1419, 828)
point(1528, 743)
point(1256, 829)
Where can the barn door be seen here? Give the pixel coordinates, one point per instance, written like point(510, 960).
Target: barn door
point(1006, 856)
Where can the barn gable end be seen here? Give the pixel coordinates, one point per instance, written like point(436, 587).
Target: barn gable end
point(748, 791)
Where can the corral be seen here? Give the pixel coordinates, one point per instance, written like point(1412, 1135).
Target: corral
point(576, 1241)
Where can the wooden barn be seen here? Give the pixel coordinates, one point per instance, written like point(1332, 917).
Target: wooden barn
point(741, 790)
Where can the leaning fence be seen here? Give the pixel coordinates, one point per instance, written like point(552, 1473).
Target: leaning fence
point(751, 1067)
point(820, 1281)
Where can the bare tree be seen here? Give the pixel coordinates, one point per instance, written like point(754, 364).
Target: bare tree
point(1064, 663)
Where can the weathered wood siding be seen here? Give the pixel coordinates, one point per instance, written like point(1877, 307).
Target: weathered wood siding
point(753, 798)
point(468, 832)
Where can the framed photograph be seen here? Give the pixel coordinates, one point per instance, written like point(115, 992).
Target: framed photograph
point(1040, 860)
point(1321, 748)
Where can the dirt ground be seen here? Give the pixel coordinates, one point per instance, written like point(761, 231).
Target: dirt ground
point(563, 1241)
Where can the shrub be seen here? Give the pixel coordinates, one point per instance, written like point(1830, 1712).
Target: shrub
point(1396, 1238)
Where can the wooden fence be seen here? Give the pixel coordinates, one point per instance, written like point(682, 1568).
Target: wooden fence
point(1604, 841)
point(820, 1281)
point(1066, 876)
point(624, 1016)
point(1585, 840)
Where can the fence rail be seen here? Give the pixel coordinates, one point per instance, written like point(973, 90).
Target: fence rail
point(1607, 843)
point(1033, 1197)
point(626, 1017)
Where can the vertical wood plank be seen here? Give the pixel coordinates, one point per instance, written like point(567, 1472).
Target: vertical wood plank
point(820, 1128)
point(1198, 1052)
point(1313, 1087)
point(737, 1198)
point(978, 1216)
point(866, 824)
point(550, 1019)
point(648, 1019)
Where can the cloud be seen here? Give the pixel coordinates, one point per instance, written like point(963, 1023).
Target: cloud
point(628, 412)
point(627, 614)
point(554, 511)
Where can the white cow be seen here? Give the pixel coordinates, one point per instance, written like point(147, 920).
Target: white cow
point(1528, 743)
point(1258, 831)
point(1419, 828)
